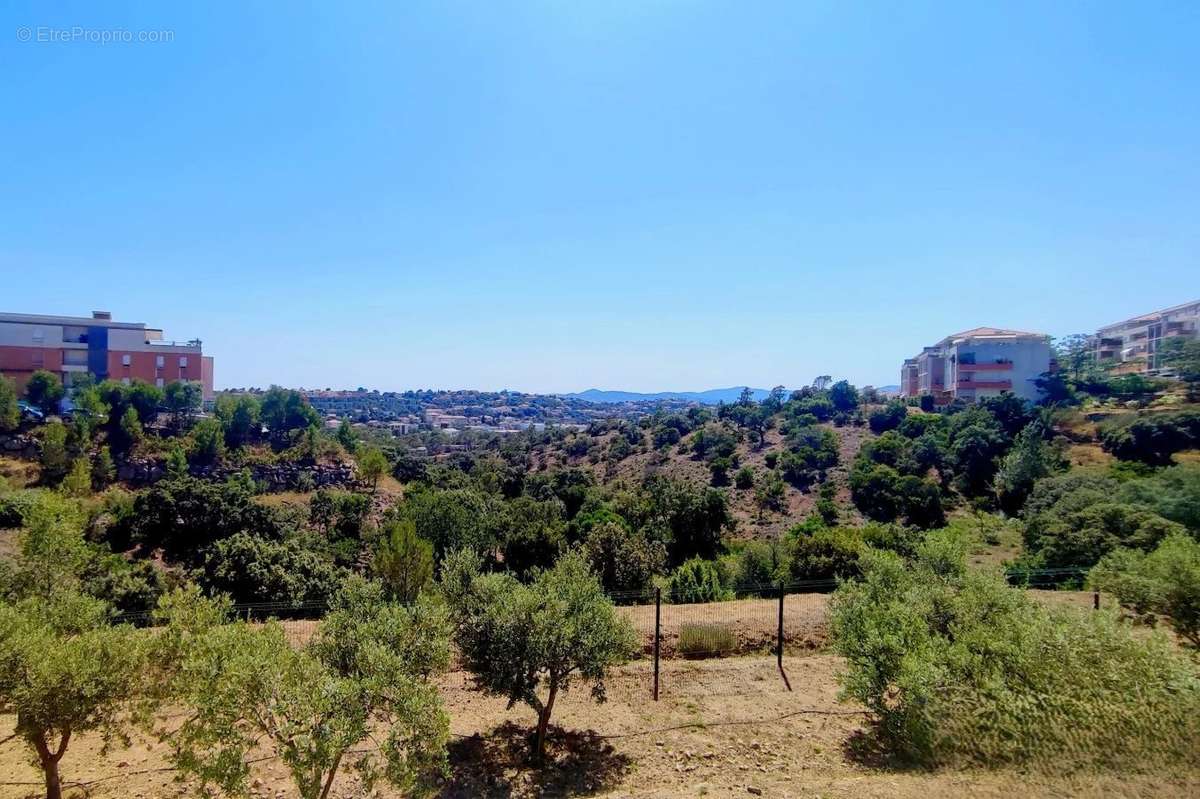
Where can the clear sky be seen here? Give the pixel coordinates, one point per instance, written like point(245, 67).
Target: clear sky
point(634, 194)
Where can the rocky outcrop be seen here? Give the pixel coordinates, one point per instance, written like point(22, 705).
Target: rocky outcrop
point(19, 445)
point(273, 477)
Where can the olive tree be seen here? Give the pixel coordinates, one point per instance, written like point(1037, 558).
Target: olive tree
point(64, 671)
point(527, 642)
point(368, 670)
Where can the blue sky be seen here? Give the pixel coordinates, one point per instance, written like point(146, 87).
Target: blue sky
point(645, 195)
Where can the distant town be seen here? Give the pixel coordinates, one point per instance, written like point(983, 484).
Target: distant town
point(972, 365)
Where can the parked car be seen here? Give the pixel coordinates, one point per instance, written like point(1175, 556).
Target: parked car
point(29, 412)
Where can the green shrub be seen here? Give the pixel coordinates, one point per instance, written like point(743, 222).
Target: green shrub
point(889, 417)
point(1165, 582)
point(759, 564)
point(697, 580)
point(14, 507)
point(744, 478)
point(625, 561)
point(1074, 535)
point(706, 640)
point(826, 554)
point(253, 569)
point(962, 669)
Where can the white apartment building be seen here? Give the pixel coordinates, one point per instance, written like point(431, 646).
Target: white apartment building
point(1132, 345)
point(977, 364)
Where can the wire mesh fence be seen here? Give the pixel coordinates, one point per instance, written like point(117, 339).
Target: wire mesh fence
point(755, 634)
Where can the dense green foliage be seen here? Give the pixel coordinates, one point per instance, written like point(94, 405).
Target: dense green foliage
point(624, 560)
point(1152, 439)
point(64, 671)
point(1076, 518)
point(44, 390)
point(697, 581)
point(10, 414)
point(403, 561)
point(253, 569)
point(1162, 583)
point(961, 669)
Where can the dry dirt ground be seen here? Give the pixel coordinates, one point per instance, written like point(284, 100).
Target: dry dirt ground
point(720, 728)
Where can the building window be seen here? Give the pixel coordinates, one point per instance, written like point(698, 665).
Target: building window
point(125, 380)
point(182, 361)
point(160, 361)
point(38, 359)
point(158, 381)
point(126, 359)
point(39, 336)
point(75, 335)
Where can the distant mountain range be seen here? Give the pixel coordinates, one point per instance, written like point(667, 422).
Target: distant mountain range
point(710, 397)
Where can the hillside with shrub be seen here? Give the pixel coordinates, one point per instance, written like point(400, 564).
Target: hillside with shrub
point(517, 549)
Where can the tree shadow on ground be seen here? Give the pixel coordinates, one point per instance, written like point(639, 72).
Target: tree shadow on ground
point(498, 764)
point(868, 747)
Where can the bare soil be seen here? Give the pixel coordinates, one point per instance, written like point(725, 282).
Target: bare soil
point(720, 728)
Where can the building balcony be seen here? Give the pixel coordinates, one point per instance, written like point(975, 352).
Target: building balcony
point(995, 366)
point(1003, 385)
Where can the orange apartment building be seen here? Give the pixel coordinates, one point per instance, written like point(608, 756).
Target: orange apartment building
point(101, 347)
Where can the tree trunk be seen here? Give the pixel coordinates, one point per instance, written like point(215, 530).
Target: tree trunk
point(49, 763)
point(544, 722)
point(337, 761)
point(53, 781)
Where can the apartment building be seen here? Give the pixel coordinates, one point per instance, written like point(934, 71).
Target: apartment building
point(99, 346)
point(908, 378)
point(977, 364)
point(1132, 345)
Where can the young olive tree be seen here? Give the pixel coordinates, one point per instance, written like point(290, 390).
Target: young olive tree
point(528, 642)
point(368, 670)
point(64, 671)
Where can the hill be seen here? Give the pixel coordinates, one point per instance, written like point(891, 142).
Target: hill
point(710, 397)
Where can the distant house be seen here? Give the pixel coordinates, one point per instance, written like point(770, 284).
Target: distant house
point(978, 363)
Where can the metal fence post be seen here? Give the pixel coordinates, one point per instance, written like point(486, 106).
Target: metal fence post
point(657, 635)
point(779, 646)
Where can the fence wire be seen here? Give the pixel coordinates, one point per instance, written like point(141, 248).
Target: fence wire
point(755, 634)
